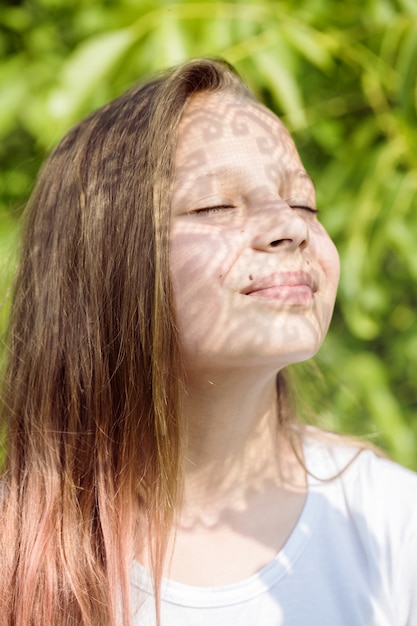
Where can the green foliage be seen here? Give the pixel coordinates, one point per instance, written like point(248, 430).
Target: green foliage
point(342, 75)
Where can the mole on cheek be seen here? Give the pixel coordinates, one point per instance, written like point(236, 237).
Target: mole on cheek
point(250, 277)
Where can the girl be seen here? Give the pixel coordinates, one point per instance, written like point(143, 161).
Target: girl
point(172, 267)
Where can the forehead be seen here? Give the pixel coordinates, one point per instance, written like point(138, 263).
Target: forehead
point(220, 133)
point(211, 118)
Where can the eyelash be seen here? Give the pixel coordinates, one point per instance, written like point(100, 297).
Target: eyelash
point(220, 207)
point(213, 209)
point(305, 208)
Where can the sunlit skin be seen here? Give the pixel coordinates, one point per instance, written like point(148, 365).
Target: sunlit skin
point(255, 277)
point(255, 273)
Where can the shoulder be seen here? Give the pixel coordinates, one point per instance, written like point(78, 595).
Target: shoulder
point(369, 482)
point(359, 468)
point(375, 499)
point(374, 502)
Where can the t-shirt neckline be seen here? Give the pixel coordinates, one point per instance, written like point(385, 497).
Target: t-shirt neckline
point(271, 574)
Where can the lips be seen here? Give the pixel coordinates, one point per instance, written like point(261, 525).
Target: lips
point(296, 286)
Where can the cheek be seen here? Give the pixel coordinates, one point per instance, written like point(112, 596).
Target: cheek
point(330, 265)
point(326, 253)
point(199, 258)
point(332, 261)
point(197, 266)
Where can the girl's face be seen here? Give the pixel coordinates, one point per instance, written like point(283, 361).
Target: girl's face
point(254, 272)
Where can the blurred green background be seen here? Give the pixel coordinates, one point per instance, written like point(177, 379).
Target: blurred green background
point(342, 75)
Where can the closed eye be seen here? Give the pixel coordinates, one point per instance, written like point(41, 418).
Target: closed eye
point(305, 207)
point(213, 209)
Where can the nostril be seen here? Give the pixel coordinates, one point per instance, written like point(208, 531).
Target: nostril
point(274, 244)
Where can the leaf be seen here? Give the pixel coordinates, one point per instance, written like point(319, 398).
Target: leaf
point(173, 39)
point(281, 80)
point(407, 68)
point(83, 73)
point(370, 376)
point(13, 94)
point(311, 44)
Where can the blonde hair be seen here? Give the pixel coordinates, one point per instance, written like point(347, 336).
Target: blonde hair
point(91, 394)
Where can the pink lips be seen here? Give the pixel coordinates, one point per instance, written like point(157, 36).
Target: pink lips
point(290, 287)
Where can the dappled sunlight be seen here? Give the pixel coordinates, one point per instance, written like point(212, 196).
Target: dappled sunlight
point(343, 83)
point(254, 273)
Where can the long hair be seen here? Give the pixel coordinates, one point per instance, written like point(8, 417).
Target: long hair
point(91, 395)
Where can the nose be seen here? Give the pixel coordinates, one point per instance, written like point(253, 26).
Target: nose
point(279, 226)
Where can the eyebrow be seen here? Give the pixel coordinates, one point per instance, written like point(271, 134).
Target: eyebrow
point(220, 171)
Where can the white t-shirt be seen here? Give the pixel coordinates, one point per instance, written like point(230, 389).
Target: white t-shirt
point(351, 559)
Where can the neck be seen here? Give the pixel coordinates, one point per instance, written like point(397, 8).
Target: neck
point(244, 488)
point(235, 447)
